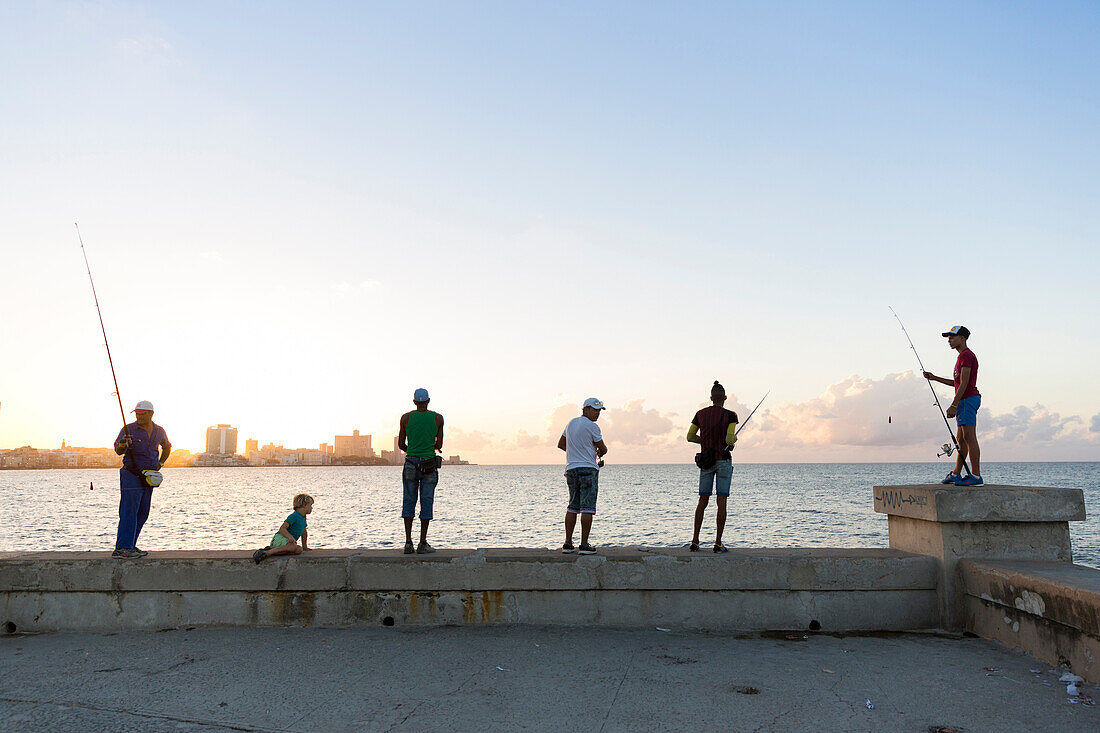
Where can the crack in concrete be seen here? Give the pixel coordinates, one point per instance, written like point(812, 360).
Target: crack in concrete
point(618, 689)
point(186, 661)
point(429, 699)
point(141, 714)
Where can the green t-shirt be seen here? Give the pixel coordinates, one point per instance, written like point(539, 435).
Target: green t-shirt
point(297, 522)
point(420, 431)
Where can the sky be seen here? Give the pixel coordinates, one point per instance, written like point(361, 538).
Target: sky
point(297, 213)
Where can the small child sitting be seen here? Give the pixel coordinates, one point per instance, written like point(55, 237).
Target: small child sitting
point(285, 541)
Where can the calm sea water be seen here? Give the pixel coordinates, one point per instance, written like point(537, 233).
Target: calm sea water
point(771, 505)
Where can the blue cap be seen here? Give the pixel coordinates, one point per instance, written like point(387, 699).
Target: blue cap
point(420, 395)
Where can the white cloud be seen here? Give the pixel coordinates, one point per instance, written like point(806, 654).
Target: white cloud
point(634, 425)
point(461, 441)
point(858, 411)
point(856, 419)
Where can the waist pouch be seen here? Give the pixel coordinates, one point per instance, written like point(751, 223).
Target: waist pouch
point(151, 479)
point(705, 459)
point(428, 466)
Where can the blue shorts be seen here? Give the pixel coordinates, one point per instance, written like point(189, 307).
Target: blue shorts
point(721, 473)
point(415, 483)
point(584, 485)
point(967, 411)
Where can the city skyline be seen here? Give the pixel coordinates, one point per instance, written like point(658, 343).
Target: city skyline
point(564, 201)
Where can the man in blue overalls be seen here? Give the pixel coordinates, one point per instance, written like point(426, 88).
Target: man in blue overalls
point(144, 447)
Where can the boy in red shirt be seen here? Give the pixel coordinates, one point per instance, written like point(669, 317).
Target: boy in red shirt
point(964, 407)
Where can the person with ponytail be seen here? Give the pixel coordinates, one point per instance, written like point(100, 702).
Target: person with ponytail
point(714, 428)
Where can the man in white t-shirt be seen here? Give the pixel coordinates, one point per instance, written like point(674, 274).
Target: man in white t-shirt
point(584, 448)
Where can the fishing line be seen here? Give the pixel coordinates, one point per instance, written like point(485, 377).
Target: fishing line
point(103, 328)
point(947, 448)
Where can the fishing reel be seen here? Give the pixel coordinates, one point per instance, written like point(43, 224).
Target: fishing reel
point(947, 449)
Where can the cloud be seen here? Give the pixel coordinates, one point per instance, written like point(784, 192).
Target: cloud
point(525, 439)
point(857, 411)
point(1031, 424)
point(894, 415)
point(857, 419)
point(634, 425)
point(461, 440)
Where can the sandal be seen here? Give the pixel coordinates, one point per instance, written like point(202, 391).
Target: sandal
point(693, 547)
point(719, 547)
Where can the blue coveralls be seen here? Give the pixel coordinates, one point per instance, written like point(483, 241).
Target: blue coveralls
point(133, 506)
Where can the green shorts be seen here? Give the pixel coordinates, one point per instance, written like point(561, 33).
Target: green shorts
point(279, 540)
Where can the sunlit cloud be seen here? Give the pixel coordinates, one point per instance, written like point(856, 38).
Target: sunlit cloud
point(467, 442)
point(634, 425)
point(858, 418)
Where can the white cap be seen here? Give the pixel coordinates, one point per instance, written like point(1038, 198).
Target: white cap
point(143, 405)
point(594, 403)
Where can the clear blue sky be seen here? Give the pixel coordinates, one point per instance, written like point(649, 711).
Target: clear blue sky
point(627, 200)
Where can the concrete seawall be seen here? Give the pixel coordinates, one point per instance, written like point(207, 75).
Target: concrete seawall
point(993, 560)
point(744, 590)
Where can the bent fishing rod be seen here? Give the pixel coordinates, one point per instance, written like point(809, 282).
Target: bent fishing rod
point(103, 328)
point(947, 447)
point(736, 432)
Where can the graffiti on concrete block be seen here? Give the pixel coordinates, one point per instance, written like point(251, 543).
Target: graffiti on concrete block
point(896, 499)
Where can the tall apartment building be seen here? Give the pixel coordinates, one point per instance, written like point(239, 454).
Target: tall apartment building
point(353, 445)
point(251, 447)
point(221, 439)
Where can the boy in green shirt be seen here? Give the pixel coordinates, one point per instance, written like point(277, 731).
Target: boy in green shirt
point(285, 541)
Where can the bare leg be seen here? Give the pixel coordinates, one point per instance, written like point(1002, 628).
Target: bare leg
point(586, 526)
point(700, 510)
point(408, 529)
point(969, 438)
point(960, 460)
point(423, 529)
point(570, 524)
point(721, 519)
point(292, 549)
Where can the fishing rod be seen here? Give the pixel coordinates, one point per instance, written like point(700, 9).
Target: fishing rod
point(103, 328)
point(947, 448)
point(736, 432)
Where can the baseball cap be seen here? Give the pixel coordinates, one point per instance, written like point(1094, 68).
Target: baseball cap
point(420, 395)
point(958, 331)
point(143, 405)
point(593, 402)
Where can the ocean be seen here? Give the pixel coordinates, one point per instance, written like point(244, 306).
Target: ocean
point(771, 505)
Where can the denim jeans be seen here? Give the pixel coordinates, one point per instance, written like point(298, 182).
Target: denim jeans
point(721, 473)
point(584, 486)
point(414, 484)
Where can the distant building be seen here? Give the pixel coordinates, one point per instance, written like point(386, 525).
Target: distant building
point(251, 447)
point(216, 459)
point(221, 440)
point(455, 461)
point(353, 445)
point(395, 457)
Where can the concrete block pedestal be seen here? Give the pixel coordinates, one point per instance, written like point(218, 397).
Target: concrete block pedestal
point(986, 522)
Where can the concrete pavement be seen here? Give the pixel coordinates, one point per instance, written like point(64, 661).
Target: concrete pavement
point(523, 678)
